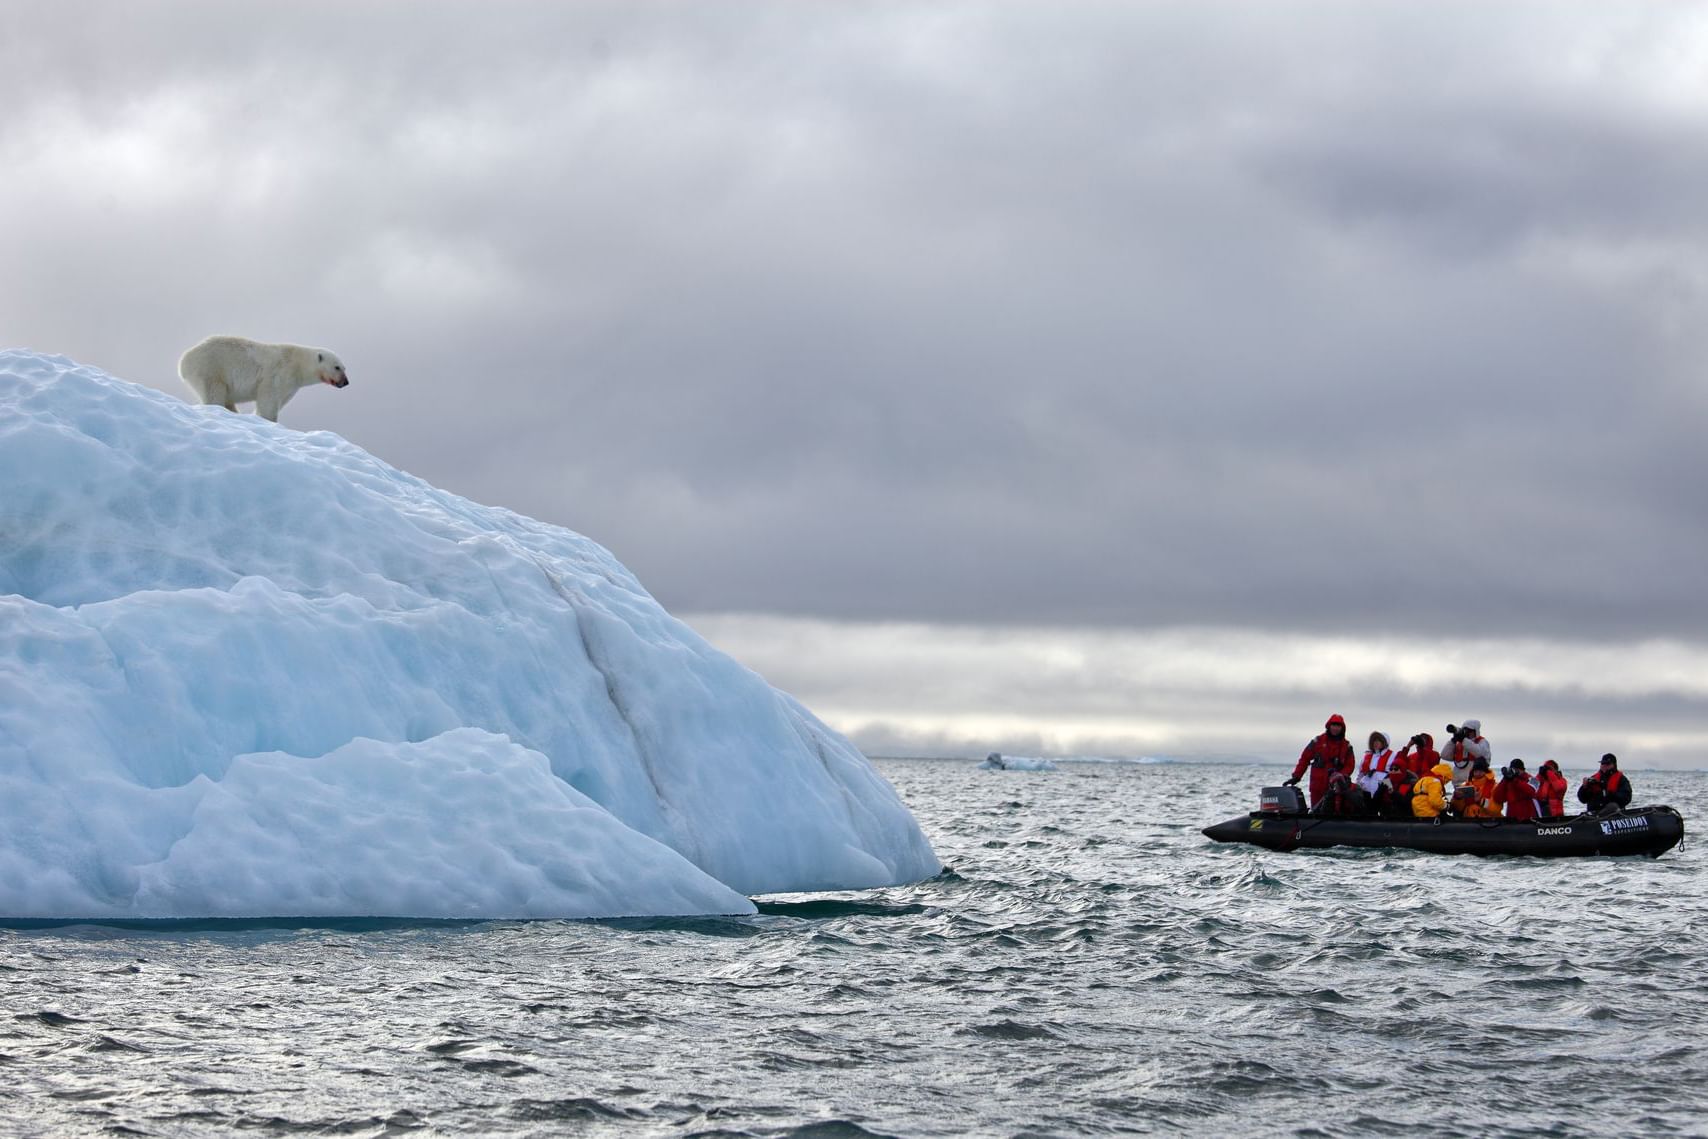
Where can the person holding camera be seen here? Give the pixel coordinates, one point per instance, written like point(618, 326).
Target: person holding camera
point(1474, 798)
point(1607, 789)
point(1464, 747)
point(1419, 755)
point(1515, 792)
point(1325, 755)
point(1550, 790)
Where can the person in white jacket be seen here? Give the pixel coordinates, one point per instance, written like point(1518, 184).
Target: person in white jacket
point(1373, 771)
point(1465, 745)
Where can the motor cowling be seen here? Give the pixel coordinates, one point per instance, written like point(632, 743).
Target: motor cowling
point(1281, 800)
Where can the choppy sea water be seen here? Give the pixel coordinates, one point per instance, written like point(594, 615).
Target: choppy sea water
point(1089, 964)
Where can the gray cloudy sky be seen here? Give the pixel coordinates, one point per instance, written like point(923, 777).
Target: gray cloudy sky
point(1070, 376)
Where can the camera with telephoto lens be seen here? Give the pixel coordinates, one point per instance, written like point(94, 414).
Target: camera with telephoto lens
point(1453, 733)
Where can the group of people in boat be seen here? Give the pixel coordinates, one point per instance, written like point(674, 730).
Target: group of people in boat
point(1418, 781)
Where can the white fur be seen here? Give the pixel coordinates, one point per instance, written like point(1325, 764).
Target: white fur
point(229, 370)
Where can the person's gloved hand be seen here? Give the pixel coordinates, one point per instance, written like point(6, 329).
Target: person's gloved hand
point(1293, 782)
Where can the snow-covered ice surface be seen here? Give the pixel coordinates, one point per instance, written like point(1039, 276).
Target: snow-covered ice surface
point(247, 671)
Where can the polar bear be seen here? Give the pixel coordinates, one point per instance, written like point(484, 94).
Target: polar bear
point(229, 370)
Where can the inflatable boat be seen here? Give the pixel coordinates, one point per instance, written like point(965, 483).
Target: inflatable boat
point(1283, 824)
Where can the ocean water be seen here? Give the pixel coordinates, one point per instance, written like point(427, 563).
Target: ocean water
point(1088, 964)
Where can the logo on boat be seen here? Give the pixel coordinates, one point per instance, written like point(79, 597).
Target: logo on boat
point(1614, 826)
point(1553, 830)
point(1257, 824)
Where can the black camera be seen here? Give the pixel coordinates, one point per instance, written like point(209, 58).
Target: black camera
point(1417, 740)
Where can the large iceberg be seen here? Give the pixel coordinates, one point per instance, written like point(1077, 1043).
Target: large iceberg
point(247, 671)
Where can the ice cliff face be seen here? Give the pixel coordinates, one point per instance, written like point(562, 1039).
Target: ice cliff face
point(246, 671)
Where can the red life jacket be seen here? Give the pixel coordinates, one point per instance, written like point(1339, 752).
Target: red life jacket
point(1331, 753)
point(1455, 752)
point(1326, 752)
point(1422, 759)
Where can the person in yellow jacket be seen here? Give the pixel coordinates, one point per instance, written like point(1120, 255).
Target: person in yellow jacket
point(1482, 786)
point(1428, 799)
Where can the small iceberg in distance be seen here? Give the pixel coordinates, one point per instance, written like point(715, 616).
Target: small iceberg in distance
point(996, 761)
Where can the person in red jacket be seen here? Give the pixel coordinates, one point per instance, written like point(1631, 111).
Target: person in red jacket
point(1401, 784)
point(1419, 754)
point(1514, 792)
point(1328, 753)
point(1550, 790)
point(1607, 789)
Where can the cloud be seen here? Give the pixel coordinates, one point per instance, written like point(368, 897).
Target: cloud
point(902, 688)
point(1337, 319)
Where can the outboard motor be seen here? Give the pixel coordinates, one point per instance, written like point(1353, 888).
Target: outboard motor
point(1281, 800)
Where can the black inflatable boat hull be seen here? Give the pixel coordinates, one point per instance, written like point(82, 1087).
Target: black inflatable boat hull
point(1645, 830)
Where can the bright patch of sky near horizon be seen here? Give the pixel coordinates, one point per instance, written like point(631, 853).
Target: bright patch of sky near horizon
point(924, 689)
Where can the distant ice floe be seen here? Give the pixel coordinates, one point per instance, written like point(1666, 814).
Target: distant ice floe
point(996, 761)
point(247, 671)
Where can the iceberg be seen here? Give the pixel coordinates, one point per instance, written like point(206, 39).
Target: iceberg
point(996, 761)
point(252, 672)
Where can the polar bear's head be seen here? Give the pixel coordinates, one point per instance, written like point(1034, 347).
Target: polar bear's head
point(331, 369)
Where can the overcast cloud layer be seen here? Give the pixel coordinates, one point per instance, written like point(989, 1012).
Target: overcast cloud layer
point(1328, 321)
